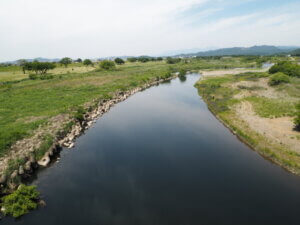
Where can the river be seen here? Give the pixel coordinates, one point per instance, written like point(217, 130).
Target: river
point(162, 158)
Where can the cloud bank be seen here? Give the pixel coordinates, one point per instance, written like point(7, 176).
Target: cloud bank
point(98, 28)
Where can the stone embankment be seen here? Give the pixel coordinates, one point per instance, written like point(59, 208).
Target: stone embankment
point(26, 170)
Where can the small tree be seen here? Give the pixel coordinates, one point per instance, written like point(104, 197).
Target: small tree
point(65, 61)
point(107, 65)
point(159, 59)
point(87, 62)
point(119, 61)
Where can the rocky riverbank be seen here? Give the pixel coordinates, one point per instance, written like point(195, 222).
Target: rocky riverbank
point(9, 180)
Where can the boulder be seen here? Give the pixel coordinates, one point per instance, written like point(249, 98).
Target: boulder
point(3, 179)
point(44, 161)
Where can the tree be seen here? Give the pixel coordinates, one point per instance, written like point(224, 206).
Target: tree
point(159, 59)
point(107, 65)
point(87, 62)
point(278, 78)
point(119, 61)
point(79, 60)
point(65, 61)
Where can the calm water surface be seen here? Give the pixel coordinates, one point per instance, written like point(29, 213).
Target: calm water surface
point(161, 158)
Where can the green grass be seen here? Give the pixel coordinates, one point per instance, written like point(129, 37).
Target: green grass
point(266, 107)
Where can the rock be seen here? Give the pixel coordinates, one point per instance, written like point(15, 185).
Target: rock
point(32, 159)
point(21, 170)
point(71, 145)
point(42, 203)
point(27, 166)
point(44, 161)
point(14, 175)
point(3, 179)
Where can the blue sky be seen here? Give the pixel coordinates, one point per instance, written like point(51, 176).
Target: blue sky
point(98, 28)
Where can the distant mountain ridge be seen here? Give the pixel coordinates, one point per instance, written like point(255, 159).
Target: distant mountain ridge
point(254, 50)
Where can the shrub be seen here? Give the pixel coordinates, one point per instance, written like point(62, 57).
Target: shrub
point(79, 115)
point(107, 65)
point(279, 78)
point(132, 59)
point(173, 60)
point(289, 68)
point(21, 201)
point(33, 76)
point(39, 67)
point(119, 61)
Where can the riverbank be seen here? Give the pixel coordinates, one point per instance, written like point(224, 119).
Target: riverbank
point(259, 114)
point(65, 130)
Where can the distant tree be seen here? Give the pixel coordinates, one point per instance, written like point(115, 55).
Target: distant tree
point(87, 62)
point(119, 61)
point(79, 60)
point(107, 65)
point(159, 59)
point(65, 61)
point(132, 59)
point(21, 63)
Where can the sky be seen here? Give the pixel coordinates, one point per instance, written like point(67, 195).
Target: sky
point(101, 28)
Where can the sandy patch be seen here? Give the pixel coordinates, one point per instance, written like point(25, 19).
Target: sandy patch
point(229, 71)
point(278, 130)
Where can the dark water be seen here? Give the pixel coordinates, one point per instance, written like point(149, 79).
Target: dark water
point(162, 158)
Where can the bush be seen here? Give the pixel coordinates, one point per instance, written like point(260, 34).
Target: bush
point(107, 65)
point(119, 61)
point(79, 115)
point(173, 60)
point(289, 68)
point(279, 78)
point(33, 76)
point(21, 201)
point(132, 59)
